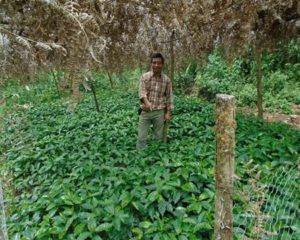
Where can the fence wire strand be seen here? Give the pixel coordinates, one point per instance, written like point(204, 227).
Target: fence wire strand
point(279, 212)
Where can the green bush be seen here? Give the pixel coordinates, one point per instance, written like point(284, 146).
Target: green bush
point(184, 82)
point(281, 74)
point(247, 95)
point(293, 72)
point(275, 104)
point(275, 82)
point(220, 77)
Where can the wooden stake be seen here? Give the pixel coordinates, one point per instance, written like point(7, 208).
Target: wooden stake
point(166, 125)
point(110, 78)
point(55, 82)
point(165, 132)
point(259, 83)
point(225, 144)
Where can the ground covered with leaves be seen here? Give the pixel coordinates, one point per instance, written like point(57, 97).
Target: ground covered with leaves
point(78, 175)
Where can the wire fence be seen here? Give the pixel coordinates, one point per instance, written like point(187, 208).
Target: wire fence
point(268, 207)
point(3, 229)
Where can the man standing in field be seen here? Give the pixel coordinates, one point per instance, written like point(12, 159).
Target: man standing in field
point(156, 99)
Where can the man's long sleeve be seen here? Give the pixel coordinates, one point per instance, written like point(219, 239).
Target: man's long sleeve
point(142, 89)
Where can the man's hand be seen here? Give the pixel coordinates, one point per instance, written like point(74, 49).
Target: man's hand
point(147, 106)
point(168, 117)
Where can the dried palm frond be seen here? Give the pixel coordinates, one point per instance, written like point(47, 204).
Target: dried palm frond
point(91, 51)
point(58, 47)
point(43, 46)
point(89, 21)
point(23, 41)
point(4, 41)
point(72, 6)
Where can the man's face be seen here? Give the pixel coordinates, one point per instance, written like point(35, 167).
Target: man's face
point(156, 65)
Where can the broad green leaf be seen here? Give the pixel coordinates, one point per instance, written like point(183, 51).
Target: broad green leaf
point(177, 227)
point(125, 199)
point(153, 196)
point(202, 227)
point(162, 206)
point(190, 220)
point(180, 212)
point(96, 237)
point(69, 222)
point(138, 232)
point(190, 187)
point(145, 224)
point(91, 224)
point(104, 227)
point(84, 235)
point(117, 223)
point(176, 197)
point(17, 236)
point(204, 196)
point(195, 207)
point(79, 228)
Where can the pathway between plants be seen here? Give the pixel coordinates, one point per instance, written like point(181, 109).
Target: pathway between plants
point(290, 119)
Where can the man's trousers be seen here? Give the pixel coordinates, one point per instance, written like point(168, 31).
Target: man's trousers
point(148, 118)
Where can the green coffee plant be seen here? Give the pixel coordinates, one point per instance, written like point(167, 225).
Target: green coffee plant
point(78, 176)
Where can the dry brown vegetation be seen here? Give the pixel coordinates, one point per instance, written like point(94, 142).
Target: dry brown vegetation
point(76, 36)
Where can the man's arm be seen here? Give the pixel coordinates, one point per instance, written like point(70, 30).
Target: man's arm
point(146, 104)
point(143, 95)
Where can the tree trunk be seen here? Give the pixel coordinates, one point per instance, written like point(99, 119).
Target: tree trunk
point(75, 79)
point(258, 56)
point(172, 55)
point(225, 144)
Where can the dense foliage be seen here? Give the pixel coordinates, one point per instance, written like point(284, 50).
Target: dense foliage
point(78, 176)
point(280, 79)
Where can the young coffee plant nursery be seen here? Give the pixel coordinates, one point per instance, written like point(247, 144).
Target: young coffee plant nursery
point(70, 81)
point(78, 176)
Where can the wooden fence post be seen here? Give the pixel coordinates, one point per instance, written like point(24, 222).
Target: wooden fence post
point(224, 170)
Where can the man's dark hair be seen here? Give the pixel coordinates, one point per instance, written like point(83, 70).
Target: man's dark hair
point(157, 55)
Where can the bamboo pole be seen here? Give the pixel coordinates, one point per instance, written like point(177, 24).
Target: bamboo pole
point(225, 144)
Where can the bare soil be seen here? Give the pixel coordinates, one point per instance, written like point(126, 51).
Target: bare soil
point(290, 119)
